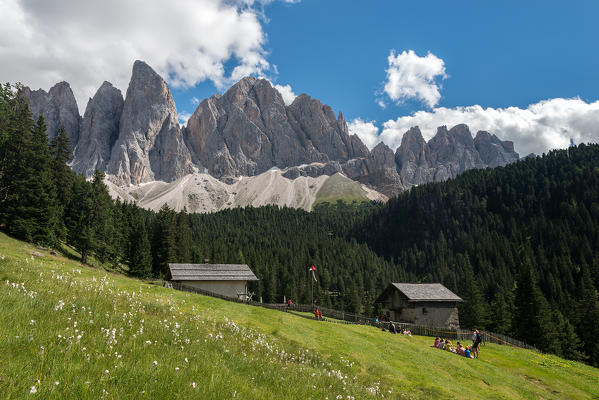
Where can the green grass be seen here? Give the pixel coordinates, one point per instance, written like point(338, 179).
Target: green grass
point(338, 187)
point(72, 331)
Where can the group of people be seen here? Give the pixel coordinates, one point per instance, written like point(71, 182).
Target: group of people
point(472, 351)
point(395, 330)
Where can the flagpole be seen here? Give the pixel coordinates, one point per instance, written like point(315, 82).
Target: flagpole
point(312, 283)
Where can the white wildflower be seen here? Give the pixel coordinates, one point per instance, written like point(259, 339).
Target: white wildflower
point(56, 383)
point(33, 390)
point(155, 363)
point(193, 385)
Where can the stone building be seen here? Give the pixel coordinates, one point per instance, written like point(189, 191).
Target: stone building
point(225, 279)
point(428, 304)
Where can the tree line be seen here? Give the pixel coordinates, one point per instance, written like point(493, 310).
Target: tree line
point(518, 243)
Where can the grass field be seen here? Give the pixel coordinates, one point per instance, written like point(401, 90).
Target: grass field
point(69, 331)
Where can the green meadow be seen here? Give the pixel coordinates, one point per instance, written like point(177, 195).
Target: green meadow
point(69, 331)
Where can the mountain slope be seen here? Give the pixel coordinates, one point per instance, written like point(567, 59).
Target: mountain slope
point(74, 331)
point(203, 193)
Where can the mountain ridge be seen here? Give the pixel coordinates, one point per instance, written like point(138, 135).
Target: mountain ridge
point(245, 132)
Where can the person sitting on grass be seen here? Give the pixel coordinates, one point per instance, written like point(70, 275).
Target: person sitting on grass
point(442, 344)
point(437, 340)
point(467, 352)
point(460, 349)
point(392, 328)
point(448, 346)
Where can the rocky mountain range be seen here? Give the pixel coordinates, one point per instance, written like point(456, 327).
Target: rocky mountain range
point(247, 131)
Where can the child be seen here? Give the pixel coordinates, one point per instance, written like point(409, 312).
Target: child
point(448, 346)
point(467, 352)
point(442, 344)
point(437, 340)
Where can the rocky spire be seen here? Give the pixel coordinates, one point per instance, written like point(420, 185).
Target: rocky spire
point(99, 130)
point(150, 144)
point(59, 108)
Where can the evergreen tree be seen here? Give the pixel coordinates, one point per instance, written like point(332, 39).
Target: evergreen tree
point(139, 251)
point(164, 246)
point(102, 222)
point(62, 175)
point(183, 238)
point(532, 318)
point(473, 310)
point(588, 318)
point(79, 214)
point(30, 206)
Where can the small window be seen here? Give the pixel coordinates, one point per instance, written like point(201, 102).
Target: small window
point(424, 310)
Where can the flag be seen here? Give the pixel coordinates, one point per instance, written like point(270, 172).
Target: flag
point(313, 272)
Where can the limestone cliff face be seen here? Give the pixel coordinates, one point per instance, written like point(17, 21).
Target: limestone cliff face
point(99, 130)
point(150, 144)
point(448, 154)
point(249, 130)
point(378, 169)
point(494, 152)
point(59, 108)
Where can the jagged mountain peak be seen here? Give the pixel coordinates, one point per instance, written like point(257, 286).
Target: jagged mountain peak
point(59, 107)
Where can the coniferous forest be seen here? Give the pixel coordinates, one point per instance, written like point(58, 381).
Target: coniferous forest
point(518, 243)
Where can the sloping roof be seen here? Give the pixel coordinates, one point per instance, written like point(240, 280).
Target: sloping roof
point(210, 272)
point(423, 292)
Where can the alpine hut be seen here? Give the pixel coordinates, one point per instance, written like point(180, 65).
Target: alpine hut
point(225, 279)
point(427, 304)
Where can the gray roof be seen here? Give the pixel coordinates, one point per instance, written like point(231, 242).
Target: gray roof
point(210, 272)
point(421, 292)
point(426, 291)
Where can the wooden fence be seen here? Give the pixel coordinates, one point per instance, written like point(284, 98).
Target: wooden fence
point(342, 317)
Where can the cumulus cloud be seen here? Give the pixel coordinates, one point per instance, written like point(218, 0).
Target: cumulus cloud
point(195, 101)
point(85, 42)
point(286, 93)
point(546, 125)
point(183, 117)
point(367, 131)
point(412, 77)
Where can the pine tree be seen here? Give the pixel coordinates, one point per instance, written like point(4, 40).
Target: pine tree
point(79, 217)
point(139, 252)
point(164, 247)
point(588, 318)
point(183, 238)
point(532, 317)
point(473, 311)
point(102, 220)
point(30, 206)
point(62, 175)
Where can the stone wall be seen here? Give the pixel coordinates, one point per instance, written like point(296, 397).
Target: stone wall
point(225, 288)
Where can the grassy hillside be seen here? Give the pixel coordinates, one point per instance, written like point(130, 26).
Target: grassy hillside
point(339, 187)
point(70, 331)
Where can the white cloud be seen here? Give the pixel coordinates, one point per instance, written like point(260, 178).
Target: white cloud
point(367, 131)
point(286, 93)
point(195, 101)
point(412, 77)
point(546, 125)
point(184, 117)
point(87, 42)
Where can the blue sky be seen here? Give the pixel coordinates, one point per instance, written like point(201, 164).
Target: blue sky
point(495, 56)
point(526, 71)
